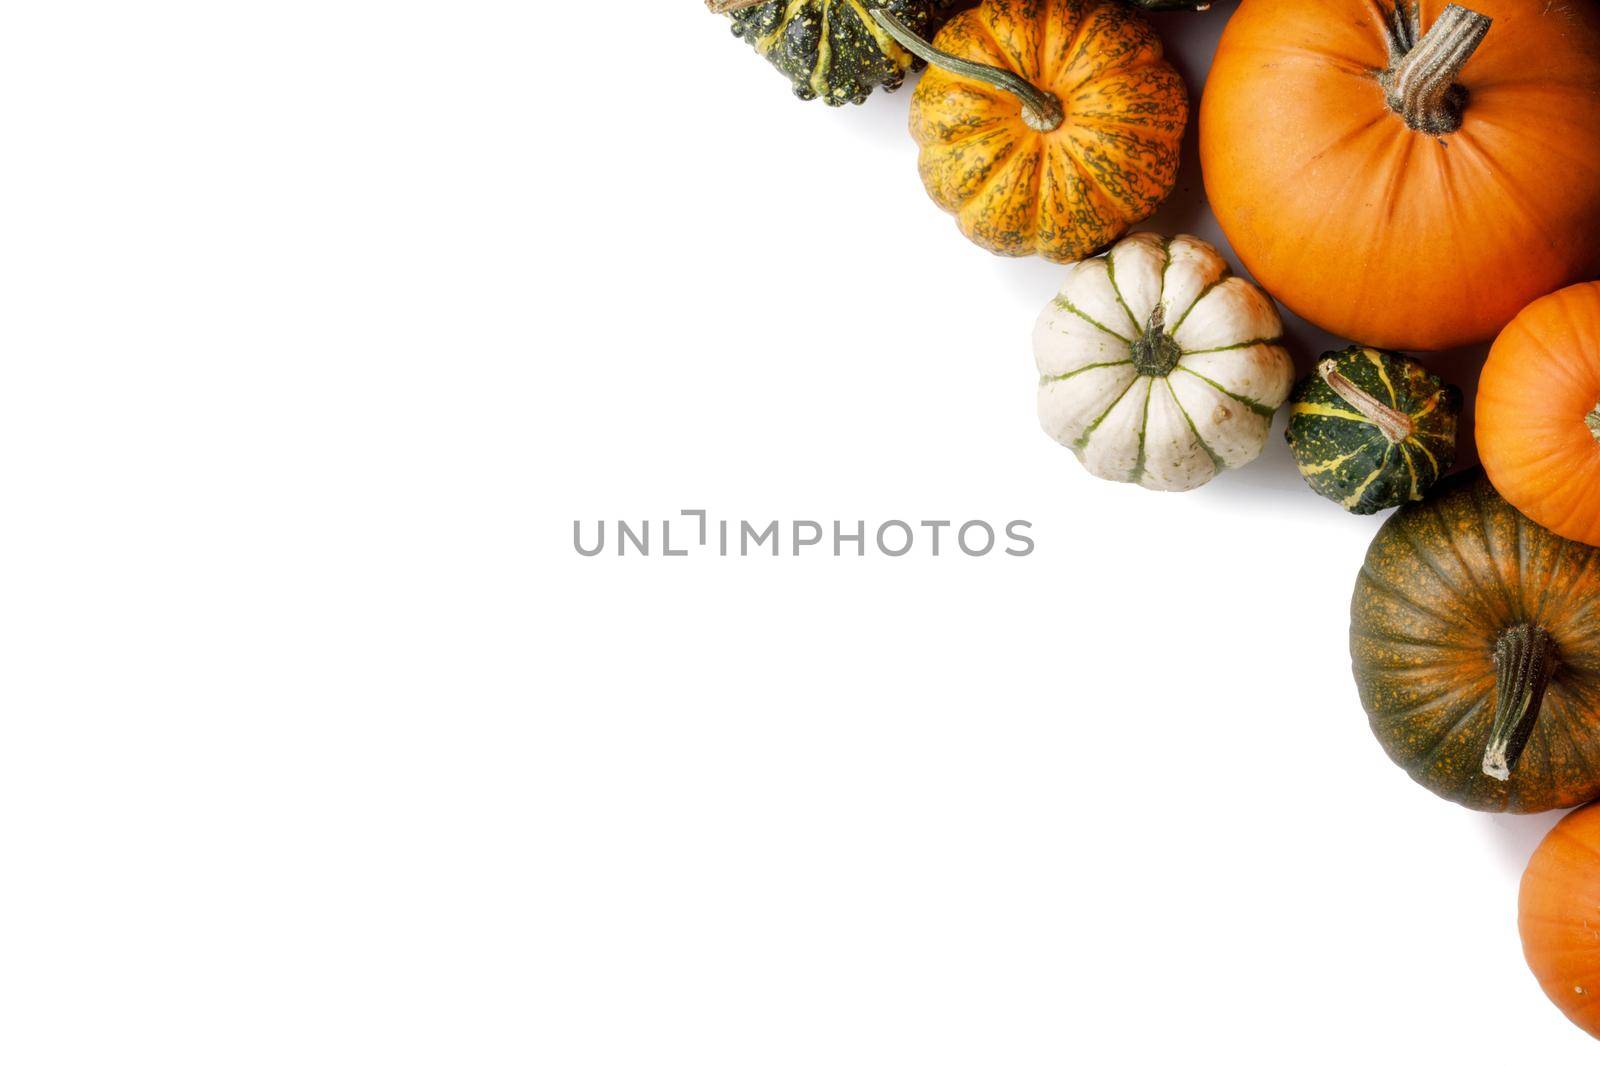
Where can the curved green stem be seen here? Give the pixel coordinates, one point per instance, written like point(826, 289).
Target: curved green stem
point(1420, 84)
point(1524, 660)
point(1155, 353)
point(1040, 110)
point(1396, 425)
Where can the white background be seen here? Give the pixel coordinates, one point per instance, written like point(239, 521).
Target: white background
point(322, 323)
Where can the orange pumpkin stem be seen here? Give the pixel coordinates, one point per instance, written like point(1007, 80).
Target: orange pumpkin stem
point(1420, 84)
point(1041, 111)
point(1524, 660)
point(1395, 425)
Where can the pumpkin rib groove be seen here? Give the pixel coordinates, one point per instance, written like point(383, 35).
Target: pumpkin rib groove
point(1504, 189)
point(1554, 568)
point(1429, 456)
point(1426, 706)
point(1354, 498)
point(1067, 305)
point(1095, 179)
point(997, 170)
point(1574, 749)
point(1465, 719)
point(1393, 593)
point(1478, 593)
point(1331, 465)
point(1397, 637)
point(1088, 431)
point(1229, 348)
point(1086, 30)
point(1553, 150)
point(1205, 291)
point(1048, 378)
point(1116, 291)
point(1310, 409)
point(1255, 406)
point(1411, 466)
point(1211, 454)
point(824, 67)
point(1489, 542)
point(1419, 552)
point(1383, 375)
point(1144, 429)
point(886, 44)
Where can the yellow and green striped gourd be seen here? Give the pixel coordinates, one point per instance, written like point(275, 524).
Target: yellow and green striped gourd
point(1372, 429)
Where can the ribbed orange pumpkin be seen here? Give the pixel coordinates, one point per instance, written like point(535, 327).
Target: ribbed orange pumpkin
point(1047, 126)
point(1539, 412)
point(1407, 178)
point(1558, 914)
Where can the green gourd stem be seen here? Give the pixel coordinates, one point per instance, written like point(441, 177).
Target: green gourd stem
point(1154, 353)
point(1524, 660)
point(1592, 420)
point(1395, 425)
point(1420, 84)
point(1040, 110)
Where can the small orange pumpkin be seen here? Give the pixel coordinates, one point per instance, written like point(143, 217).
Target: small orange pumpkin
point(1407, 175)
point(1558, 915)
point(1047, 126)
point(1539, 412)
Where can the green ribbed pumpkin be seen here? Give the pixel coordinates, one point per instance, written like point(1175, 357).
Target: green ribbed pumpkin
point(1475, 640)
point(833, 49)
point(1371, 429)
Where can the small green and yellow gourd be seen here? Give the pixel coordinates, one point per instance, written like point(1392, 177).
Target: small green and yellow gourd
point(831, 49)
point(1372, 429)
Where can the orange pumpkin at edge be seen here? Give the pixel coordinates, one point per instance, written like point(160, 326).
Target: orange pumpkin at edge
point(1408, 180)
point(1558, 916)
point(1538, 412)
point(1046, 127)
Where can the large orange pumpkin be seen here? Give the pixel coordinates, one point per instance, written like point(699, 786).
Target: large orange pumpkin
point(1539, 412)
point(1408, 178)
point(1558, 914)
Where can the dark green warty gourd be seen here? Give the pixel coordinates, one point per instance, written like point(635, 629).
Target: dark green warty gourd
point(1372, 429)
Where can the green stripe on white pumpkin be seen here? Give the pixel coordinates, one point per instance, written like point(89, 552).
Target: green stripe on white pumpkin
point(1157, 367)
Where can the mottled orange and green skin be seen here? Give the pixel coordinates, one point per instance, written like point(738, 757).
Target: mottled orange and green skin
point(1065, 193)
point(1443, 580)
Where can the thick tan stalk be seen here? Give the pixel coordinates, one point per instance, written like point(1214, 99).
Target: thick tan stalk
point(1420, 84)
point(1396, 425)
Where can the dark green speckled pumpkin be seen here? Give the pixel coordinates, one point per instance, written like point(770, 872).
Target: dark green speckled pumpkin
point(1371, 429)
point(1475, 636)
point(833, 49)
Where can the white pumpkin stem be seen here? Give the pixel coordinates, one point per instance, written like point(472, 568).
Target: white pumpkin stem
point(1041, 111)
point(1395, 425)
point(1420, 84)
point(1524, 660)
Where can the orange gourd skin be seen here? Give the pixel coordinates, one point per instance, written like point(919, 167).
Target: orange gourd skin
point(1558, 915)
point(1389, 236)
point(1066, 193)
point(1539, 412)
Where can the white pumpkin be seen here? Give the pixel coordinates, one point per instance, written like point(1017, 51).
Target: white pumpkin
point(1157, 367)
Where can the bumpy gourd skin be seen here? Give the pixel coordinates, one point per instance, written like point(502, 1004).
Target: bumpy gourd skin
point(1345, 457)
point(1442, 582)
point(833, 49)
point(1065, 193)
